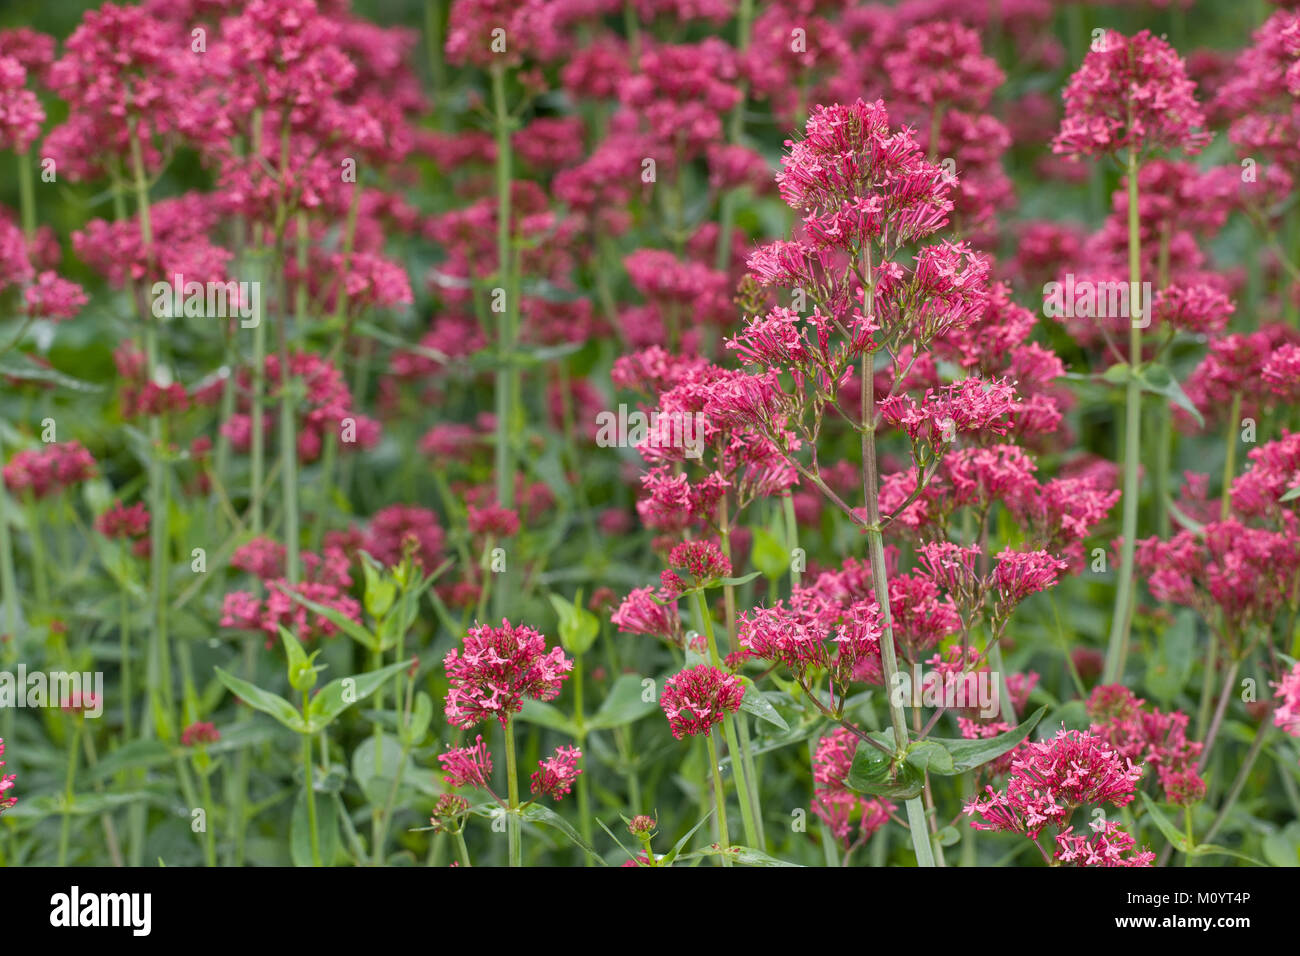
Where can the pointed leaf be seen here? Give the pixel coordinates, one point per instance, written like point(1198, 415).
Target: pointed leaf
point(264, 700)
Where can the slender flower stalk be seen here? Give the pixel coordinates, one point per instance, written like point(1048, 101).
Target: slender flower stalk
point(1121, 616)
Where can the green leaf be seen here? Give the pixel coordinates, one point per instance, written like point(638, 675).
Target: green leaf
point(380, 591)
point(1117, 374)
point(1174, 658)
point(421, 716)
point(756, 704)
point(622, 705)
point(327, 831)
point(1291, 495)
point(338, 695)
point(1179, 839)
point(537, 712)
point(880, 773)
point(744, 855)
point(340, 620)
point(264, 700)
point(137, 753)
point(1157, 379)
point(768, 554)
point(948, 836)
point(969, 754)
point(1282, 847)
point(536, 813)
point(302, 676)
point(737, 582)
point(578, 626)
point(677, 847)
point(930, 755)
point(36, 373)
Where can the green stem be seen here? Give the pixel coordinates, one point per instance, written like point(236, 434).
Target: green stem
point(747, 813)
point(65, 830)
point(505, 383)
point(309, 783)
point(512, 782)
point(719, 798)
point(584, 792)
point(1117, 650)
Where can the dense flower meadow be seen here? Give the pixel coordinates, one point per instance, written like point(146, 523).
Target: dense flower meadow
point(650, 433)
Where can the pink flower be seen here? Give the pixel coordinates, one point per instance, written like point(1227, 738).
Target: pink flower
point(50, 469)
point(496, 669)
point(467, 766)
point(494, 520)
point(397, 526)
point(199, 733)
point(699, 697)
point(833, 803)
point(640, 613)
point(556, 774)
point(1148, 737)
point(123, 522)
point(1287, 711)
point(1022, 573)
point(50, 297)
point(1110, 846)
point(21, 114)
point(6, 784)
point(702, 560)
point(1050, 779)
point(1133, 93)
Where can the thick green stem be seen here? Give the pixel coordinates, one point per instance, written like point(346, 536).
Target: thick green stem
point(65, 829)
point(747, 813)
point(505, 347)
point(719, 798)
point(1117, 650)
point(513, 835)
point(310, 786)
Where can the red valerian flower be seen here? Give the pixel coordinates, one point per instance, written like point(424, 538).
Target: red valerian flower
point(198, 733)
point(699, 697)
point(556, 774)
point(1051, 779)
point(6, 784)
point(496, 669)
point(1133, 92)
point(467, 766)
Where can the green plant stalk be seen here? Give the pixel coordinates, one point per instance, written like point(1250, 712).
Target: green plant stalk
point(462, 851)
point(735, 129)
point(289, 413)
point(876, 553)
point(136, 812)
point(210, 838)
point(719, 797)
point(584, 791)
point(8, 580)
point(748, 774)
point(37, 542)
point(505, 373)
point(65, 828)
point(1117, 649)
point(1261, 734)
point(792, 537)
point(308, 781)
point(513, 828)
point(748, 816)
